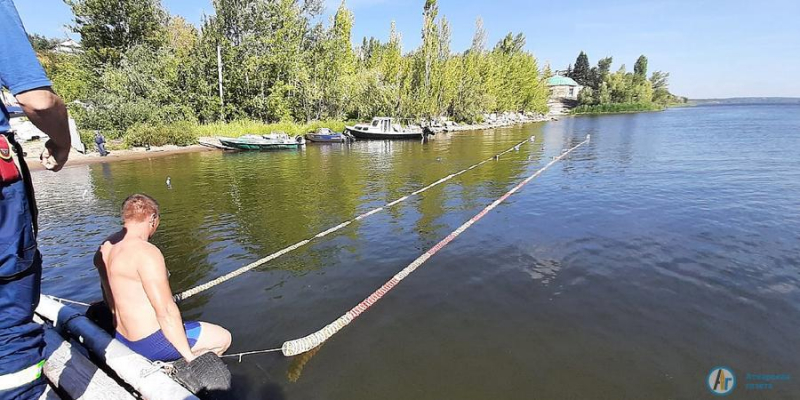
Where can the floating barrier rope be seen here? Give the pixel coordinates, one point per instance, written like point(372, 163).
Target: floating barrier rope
point(208, 285)
point(302, 345)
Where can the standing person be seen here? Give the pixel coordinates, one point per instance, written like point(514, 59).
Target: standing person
point(22, 340)
point(101, 143)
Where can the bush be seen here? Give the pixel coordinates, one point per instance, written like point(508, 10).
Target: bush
point(616, 108)
point(179, 134)
point(249, 127)
point(186, 133)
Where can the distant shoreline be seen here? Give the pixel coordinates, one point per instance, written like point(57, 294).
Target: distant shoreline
point(747, 100)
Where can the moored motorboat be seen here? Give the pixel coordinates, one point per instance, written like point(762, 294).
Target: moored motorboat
point(386, 128)
point(325, 135)
point(273, 141)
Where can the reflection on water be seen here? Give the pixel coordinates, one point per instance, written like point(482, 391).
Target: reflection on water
point(222, 209)
point(666, 246)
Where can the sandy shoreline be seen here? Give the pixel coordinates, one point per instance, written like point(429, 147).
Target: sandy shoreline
point(34, 148)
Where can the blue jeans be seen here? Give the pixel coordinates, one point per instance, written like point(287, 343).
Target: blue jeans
point(21, 339)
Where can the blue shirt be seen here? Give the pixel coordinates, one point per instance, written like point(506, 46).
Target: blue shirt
point(20, 70)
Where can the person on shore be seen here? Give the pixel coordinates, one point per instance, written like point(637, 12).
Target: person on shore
point(21, 339)
point(135, 285)
point(100, 141)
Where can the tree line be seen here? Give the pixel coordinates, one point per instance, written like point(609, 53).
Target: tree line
point(608, 91)
point(281, 62)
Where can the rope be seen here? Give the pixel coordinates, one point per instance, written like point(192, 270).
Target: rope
point(302, 345)
point(249, 353)
point(168, 368)
point(60, 300)
point(208, 285)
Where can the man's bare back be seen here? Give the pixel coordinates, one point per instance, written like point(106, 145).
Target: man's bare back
point(136, 288)
point(120, 259)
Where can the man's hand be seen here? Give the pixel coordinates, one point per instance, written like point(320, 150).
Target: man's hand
point(54, 157)
point(47, 111)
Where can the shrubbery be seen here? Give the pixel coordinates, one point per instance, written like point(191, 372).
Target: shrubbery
point(186, 133)
point(616, 108)
point(247, 127)
point(179, 134)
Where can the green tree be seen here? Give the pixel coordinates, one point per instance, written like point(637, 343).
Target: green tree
point(109, 29)
point(601, 72)
point(581, 72)
point(547, 72)
point(640, 69)
point(660, 83)
point(41, 43)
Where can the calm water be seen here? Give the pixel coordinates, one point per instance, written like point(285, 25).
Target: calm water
point(667, 246)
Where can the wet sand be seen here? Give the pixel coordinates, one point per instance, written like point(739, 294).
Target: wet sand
point(34, 149)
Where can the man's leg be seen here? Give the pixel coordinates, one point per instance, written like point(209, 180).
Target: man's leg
point(21, 346)
point(21, 339)
point(212, 338)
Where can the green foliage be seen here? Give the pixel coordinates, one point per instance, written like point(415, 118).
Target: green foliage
point(581, 73)
point(71, 78)
point(616, 108)
point(600, 73)
point(249, 127)
point(586, 96)
point(41, 43)
point(621, 91)
point(108, 29)
point(281, 64)
point(640, 68)
point(179, 134)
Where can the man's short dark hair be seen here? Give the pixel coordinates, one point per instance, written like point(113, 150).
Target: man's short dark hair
point(138, 208)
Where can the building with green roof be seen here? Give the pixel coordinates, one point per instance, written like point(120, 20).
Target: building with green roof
point(563, 87)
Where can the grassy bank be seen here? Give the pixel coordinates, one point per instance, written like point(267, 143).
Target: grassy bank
point(245, 127)
point(616, 108)
point(187, 133)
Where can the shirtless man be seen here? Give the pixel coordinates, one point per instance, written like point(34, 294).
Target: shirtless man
point(136, 288)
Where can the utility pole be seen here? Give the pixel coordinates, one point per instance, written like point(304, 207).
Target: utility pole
point(219, 72)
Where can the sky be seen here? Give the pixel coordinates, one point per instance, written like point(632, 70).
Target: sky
point(711, 48)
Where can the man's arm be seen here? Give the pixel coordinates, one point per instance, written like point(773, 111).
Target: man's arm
point(47, 111)
point(24, 77)
point(153, 273)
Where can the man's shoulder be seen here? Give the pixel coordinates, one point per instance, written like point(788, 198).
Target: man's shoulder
point(137, 255)
point(145, 248)
point(130, 249)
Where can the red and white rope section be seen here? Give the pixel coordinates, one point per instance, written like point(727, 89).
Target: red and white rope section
point(302, 345)
point(208, 285)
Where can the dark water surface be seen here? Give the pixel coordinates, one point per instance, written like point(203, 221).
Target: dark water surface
point(668, 245)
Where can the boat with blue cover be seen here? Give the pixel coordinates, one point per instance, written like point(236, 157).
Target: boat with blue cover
point(325, 135)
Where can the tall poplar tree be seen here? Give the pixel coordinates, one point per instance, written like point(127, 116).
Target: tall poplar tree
point(640, 68)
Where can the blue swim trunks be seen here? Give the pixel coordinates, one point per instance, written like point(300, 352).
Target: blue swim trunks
point(156, 347)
